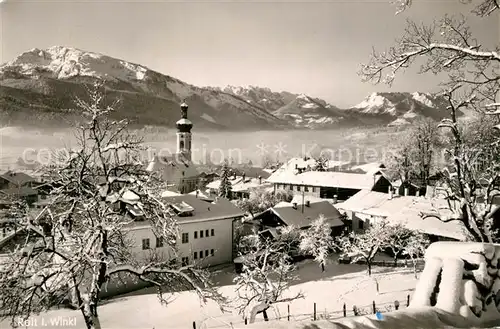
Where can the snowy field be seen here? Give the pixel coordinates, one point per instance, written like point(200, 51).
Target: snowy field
point(330, 290)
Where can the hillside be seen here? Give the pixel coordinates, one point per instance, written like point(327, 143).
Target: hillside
point(38, 88)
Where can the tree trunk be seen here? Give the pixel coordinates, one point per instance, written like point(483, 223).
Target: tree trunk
point(90, 316)
point(264, 314)
point(369, 268)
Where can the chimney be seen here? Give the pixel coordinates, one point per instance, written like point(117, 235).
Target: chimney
point(390, 193)
point(335, 198)
point(260, 180)
point(294, 205)
point(407, 191)
point(308, 203)
point(243, 176)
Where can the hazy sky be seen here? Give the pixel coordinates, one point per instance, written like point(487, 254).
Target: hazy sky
point(314, 47)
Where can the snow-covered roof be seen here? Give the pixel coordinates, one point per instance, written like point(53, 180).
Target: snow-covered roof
point(240, 185)
point(369, 168)
point(298, 199)
point(326, 178)
point(184, 122)
point(130, 196)
point(405, 210)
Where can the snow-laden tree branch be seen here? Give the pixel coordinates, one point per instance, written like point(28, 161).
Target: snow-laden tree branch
point(448, 47)
point(81, 242)
point(267, 274)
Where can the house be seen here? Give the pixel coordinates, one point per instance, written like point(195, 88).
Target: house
point(328, 184)
point(368, 207)
point(241, 186)
point(18, 185)
point(12, 180)
point(205, 231)
point(299, 216)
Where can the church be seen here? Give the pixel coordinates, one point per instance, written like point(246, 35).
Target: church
point(178, 170)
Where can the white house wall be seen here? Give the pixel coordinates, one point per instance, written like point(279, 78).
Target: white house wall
point(221, 242)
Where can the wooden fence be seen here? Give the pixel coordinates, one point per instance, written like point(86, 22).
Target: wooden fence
point(387, 263)
point(373, 308)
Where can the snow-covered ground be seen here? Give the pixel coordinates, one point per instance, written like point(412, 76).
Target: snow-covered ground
point(330, 290)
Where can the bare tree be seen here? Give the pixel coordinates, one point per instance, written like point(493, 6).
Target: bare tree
point(398, 239)
point(366, 245)
point(474, 80)
point(261, 200)
point(415, 247)
point(416, 157)
point(317, 241)
point(267, 275)
point(81, 240)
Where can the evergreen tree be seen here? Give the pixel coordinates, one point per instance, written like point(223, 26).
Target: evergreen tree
point(225, 183)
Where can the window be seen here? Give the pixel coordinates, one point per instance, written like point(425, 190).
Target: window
point(361, 224)
point(196, 234)
point(291, 187)
point(306, 188)
point(314, 189)
point(206, 253)
point(181, 144)
point(185, 261)
point(201, 234)
point(195, 255)
point(185, 237)
point(159, 242)
point(298, 188)
point(145, 244)
point(212, 232)
point(206, 233)
point(212, 252)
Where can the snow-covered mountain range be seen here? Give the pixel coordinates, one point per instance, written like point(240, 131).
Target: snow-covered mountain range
point(400, 108)
point(39, 86)
point(388, 108)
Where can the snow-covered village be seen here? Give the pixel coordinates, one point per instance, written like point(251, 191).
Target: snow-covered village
point(250, 164)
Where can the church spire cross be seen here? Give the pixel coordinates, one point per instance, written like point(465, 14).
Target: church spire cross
point(184, 108)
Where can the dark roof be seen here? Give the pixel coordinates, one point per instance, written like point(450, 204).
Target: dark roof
point(205, 210)
point(297, 218)
point(18, 178)
point(22, 191)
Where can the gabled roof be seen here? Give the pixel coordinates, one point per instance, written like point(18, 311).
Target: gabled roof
point(327, 179)
point(405, 210)
point(297, 218)
point(18, 178)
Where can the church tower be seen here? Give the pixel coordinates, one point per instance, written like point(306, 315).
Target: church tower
point(184, 133)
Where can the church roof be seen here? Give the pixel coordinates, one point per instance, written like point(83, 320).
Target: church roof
point(184, 122)
point(177, 161)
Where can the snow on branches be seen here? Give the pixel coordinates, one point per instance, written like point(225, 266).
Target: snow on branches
point(79, 242)
point(317, 241)
point(266, 275)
